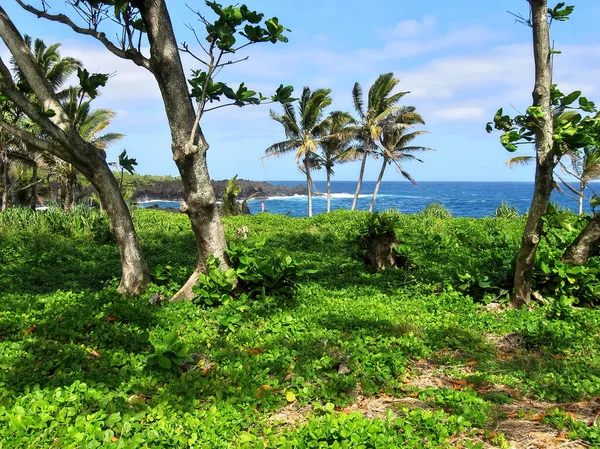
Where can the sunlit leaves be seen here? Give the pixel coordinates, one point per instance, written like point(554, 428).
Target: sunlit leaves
point(222, 31)
point(572, 130)
point(560, 12)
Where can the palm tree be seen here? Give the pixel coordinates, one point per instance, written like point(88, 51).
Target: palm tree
point(380, 104)
point(336, 145)
point(89, 123)
point(394, 146)
point(57, 69)
point(304, 135)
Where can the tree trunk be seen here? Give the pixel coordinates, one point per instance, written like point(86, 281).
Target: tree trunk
point(360, 178)
point(69, 189)
point(188, 145)
point(34, 190)
point(135, 275)
point(328, 190)
point(586, 245)
point(377, 184)
point(581, 196)
point(309, 186)
point(544, 156)
point(381, 255)
point(5, 180)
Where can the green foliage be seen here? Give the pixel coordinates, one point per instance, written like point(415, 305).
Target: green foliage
point(229, 204)
point(376, 225)
point(506, 211)
point(262, 276)
point(216, 286)
point(572, 130)
point(169, 352)
point(437, 211)
point(89, 84)
point(565, 284)
point(77, 368)
point(77, 222)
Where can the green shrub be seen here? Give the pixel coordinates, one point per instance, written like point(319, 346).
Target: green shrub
point(436, 210)
point(169, 352)
point(563, 283)
point(506, 211)
point(376, 225)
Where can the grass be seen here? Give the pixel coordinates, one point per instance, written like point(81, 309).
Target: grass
point(75, 356)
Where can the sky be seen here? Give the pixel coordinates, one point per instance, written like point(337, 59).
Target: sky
point(461, 61)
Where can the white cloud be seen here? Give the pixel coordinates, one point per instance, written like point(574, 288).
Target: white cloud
point(410, 28)
point(460, 113)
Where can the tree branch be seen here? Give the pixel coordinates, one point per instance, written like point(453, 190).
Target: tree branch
point(30, 139)
point(131, 53)
point(232, 62)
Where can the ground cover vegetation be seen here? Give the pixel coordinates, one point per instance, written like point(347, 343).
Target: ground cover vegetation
point(317, 352)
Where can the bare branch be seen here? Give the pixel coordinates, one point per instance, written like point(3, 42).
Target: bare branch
point(131, 53)
point(232, 62)
point(186, 49)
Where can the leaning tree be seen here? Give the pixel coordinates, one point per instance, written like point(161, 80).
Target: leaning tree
point(63, 140)
point(185, 101)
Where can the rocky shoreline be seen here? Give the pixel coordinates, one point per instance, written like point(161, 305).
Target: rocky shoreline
point(173, 190)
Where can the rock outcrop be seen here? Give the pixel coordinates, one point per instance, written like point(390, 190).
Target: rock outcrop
point(173, 190)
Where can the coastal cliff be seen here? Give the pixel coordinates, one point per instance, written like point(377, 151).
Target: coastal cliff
point(172, 190)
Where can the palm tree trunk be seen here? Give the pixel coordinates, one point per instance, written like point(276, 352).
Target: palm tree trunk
point(378, 184)
point(360, 178)
point(328, 190)
point(581, 196)
point(69, 194)
point(34, 184)
point(5, 180)
point(309, 186)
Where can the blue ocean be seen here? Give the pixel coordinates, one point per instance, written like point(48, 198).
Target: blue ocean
point(463, 199)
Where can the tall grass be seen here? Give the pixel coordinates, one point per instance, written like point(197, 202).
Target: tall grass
point(78, 222)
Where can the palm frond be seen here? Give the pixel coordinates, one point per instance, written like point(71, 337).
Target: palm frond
point(520, 160)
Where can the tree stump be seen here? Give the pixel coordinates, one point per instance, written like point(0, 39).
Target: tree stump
point(381, 255)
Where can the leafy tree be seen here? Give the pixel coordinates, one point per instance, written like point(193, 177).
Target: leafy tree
point(62, 140)
point(538, 126)
point(304, 135)
point(381, 102)
point(583, 164)
point(394, 145)
point(234, 28)
point(335, 146)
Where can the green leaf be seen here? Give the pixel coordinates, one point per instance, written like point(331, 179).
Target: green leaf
point(567, 100)
point(113, 419)
point(164, 362)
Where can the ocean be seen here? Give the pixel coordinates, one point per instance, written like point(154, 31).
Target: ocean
point(462, 199)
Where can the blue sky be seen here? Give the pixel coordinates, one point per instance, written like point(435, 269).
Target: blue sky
point(461, 61)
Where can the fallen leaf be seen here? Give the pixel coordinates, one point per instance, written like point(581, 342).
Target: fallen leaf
point(288, 377)
point(472, 362)
point(290, 396)
point(111, 319)
point(31, 329)
point(114, 439)
point(255, 351)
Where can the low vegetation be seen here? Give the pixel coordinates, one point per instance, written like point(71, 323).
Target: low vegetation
point(323, 353)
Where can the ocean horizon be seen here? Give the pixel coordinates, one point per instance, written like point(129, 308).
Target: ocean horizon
point(474, 199)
